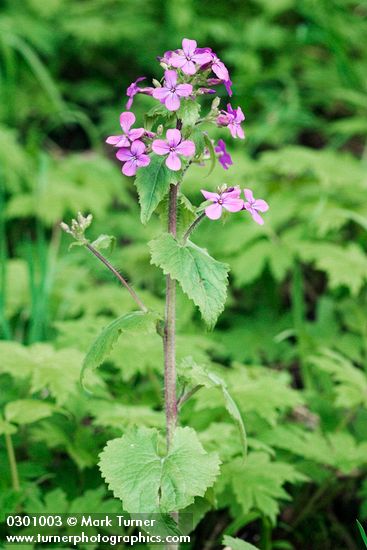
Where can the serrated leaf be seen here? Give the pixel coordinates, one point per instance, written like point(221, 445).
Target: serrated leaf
point(147, 482)
point(136, 321)
point(197, 136)
point(258, 483)
point(201, 277)
point(152, 183)
point(199, 376)
point(26, 411)
point(237, 544)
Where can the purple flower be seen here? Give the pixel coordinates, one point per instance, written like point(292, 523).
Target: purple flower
point(126, 121)
point(223, 156)
point(254, 205)
point(171, 92)
point(219, 68)
point(133, 158)
point(132, 90)
point(173, 146)
point(190, 55)
point(228, 84)
point(229, 200)
point(232, 118)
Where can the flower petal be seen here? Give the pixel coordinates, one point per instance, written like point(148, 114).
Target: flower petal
point(189, 46)
point(233, 194)
point(220, 70)
point(177, 60)
point(173, 161)
point(188, 67)
point(143, 160)
point(118, 141)
point(137, 148)
point(160, 93)
point(249, 195)
point(201, 58)
point(256, 217)
point(186, 148)
point(124, 154)
point(129, 168)
point(261, 205)
point(233, 205)
point(214, 211)
point(136, 133)
point(209, 196)
point(172, 101)
point(173, 137)
point(160, 147)
point(184, 90)
point(127, 119)
point(170, 78)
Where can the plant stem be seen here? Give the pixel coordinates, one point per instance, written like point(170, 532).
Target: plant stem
point(118, 275)
point(193, 226)
point(169, 345)
point(170, 331)
point(12, 463)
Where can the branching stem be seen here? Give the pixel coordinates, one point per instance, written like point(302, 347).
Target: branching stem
point(123, 281)
point(193, 226)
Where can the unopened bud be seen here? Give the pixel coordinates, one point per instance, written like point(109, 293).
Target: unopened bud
point(160, 130)
point(215, 103)
point(64, 226)
point(156, 83)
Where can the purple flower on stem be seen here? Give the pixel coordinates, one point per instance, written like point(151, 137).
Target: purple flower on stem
point(173, 146)
point(232, 118)
point(254, 205)
point(190, 55)
point(228, 199)
point(126, 121)
point(132, 90)
point(133, 157)
point(171, 92)
point(223, 156)
point(219, 68)
point(228, 84)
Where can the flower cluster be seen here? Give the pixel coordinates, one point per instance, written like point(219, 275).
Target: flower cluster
point(189, 72)
point(229, 199)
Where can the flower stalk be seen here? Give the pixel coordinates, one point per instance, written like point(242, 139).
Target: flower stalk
point(12, 463)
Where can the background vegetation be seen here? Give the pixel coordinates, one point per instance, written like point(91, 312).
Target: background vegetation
point(292, 344)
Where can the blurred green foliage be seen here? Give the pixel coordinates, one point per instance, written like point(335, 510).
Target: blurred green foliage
point(292, 344)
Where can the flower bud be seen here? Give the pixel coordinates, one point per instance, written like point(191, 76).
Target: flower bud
point(156, 83)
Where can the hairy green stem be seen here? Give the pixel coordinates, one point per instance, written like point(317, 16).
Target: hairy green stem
point(12, 463)
point(193, 226)
point(123, 281)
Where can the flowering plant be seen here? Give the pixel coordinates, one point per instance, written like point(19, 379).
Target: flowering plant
point(175, 136)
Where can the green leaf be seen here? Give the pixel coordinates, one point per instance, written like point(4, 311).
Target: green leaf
point(152, 183)
point(147, 482)
point(104, 241)
point(237, 544)
point(201, 277)
point(363, 533)
point(189, 112)
point(197, 136)
point(258, 483)
point(102, 346)
point(26, 411)
point(199, 376)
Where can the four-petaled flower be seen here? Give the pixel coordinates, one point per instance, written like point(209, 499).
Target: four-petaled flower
point(190, 55)
point(228, 199)
point(133, 157)
point(232, 118)
point(253, 205)
point(171, 92)
point(127, 119)
point(173, 146)
point(223, 156)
